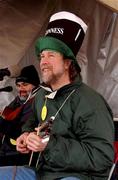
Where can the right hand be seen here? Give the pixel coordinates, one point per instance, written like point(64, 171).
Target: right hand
point(36, 143)
point(21, 143)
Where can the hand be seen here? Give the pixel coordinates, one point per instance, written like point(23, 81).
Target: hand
point(35, 143)
point(21, 143)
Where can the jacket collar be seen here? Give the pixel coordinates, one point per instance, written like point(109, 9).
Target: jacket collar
point(67, 88)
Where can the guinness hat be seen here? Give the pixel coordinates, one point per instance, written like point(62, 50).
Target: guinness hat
point(65, 33)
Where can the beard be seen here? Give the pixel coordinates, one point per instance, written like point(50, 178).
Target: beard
point(23, 97)
point(48, 76)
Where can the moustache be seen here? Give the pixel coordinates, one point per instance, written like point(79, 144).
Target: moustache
point(45, 66)
point(23, 92)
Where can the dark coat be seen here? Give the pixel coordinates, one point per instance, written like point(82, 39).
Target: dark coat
point(11, 129)
point(81, 140)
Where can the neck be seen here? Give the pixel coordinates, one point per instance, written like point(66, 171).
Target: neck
point(60, 83)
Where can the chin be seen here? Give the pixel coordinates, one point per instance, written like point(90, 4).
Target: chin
point(23, 98)
point(45, 80)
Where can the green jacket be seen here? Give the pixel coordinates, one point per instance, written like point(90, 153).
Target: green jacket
point(81, 140)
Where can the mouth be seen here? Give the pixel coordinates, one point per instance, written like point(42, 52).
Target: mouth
point(45, 69)
point(23, 93)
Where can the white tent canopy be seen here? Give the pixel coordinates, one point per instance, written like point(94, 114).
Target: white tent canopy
point(22, 22)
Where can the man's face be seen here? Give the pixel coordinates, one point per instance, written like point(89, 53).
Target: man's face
point(24, 89)
point(53, 67)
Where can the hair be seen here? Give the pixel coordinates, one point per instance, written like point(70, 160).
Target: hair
point(74, 71)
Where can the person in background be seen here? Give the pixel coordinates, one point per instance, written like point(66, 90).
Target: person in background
point(75, 134)
point(15, 116)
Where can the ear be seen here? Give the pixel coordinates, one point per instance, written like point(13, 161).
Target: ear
point(67, 63)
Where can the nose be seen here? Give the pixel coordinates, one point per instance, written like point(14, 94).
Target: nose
point(44, 60)
point(21, 88)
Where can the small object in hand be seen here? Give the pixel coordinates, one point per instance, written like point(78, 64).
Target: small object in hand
point(45, 139)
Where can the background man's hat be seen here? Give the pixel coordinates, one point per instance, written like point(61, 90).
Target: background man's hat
point(29, 74)
point(64, 34)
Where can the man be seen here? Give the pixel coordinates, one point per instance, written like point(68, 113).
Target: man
point(75, 138)
point(16, 114)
